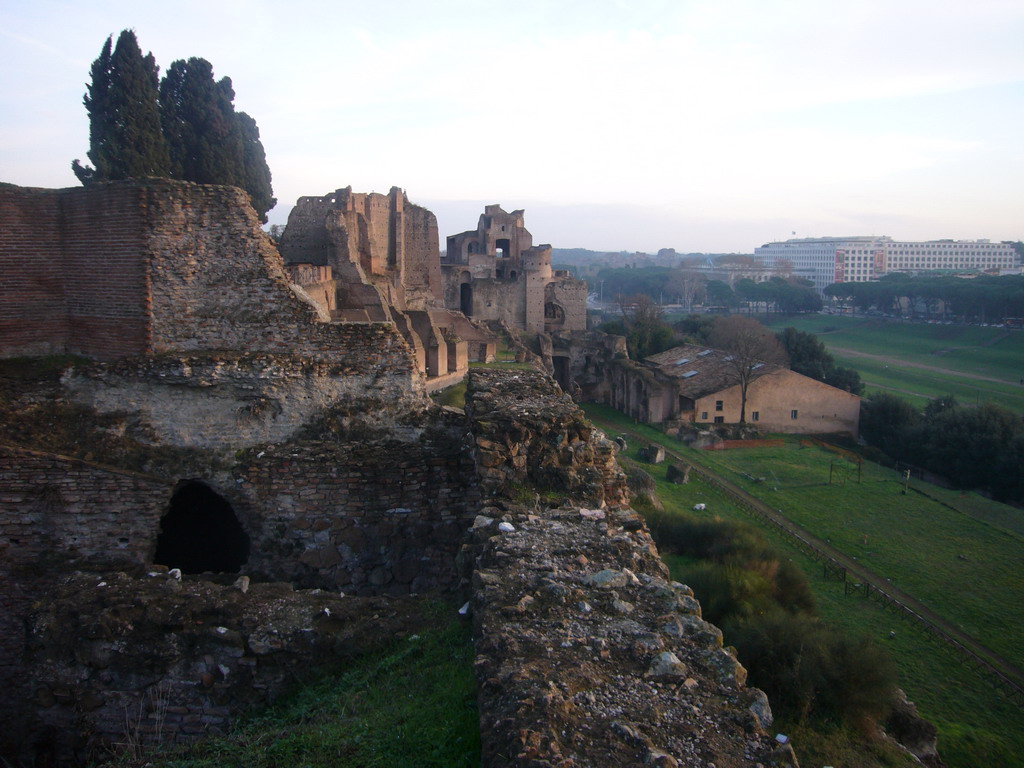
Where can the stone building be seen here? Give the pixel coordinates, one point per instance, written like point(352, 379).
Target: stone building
point(372, 257)
point(693, 384)
point(495, 273)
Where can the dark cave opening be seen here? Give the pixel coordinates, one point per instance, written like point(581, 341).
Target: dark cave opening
point(200, 532)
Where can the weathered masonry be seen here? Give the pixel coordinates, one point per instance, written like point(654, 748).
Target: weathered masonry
point(496, 273)
point(369, 256)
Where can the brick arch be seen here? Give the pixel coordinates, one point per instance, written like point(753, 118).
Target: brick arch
point(200, 532)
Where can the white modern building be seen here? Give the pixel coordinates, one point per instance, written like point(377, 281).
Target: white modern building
point(827, 260)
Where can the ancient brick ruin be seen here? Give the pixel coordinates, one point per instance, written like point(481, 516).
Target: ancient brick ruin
point(364, 257)
point(496, 273)
point(243, 429)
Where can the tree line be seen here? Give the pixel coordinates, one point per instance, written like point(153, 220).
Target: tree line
point(987, 298)
point(690, 287)
point(182, 127)
point(973, 448)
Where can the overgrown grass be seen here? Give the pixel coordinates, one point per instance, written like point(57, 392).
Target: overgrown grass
point(413, 704)
point(978, 725)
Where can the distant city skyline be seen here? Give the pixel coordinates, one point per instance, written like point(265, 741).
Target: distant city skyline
point(688, 124)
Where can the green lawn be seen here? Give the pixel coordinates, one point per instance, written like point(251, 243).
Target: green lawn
point(995, 353)
point(913, 539)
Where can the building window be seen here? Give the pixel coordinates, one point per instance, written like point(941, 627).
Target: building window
point(793, 414)
point(703, 415)
point(756, 415)
point(719, 419)
point(718, 405)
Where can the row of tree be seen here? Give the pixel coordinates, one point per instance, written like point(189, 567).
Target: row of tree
point(981, 299)
point(182, 127)
point(691, 287)
point(974, 448)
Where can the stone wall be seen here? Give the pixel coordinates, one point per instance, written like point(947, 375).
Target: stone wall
point(54, 504)
point(509, 278)
point(231, 400)
point(382, 516)
point(134, 659)
point(531, 437)
point(381, 236)
point(126, 271)
point(161, 267)
point(587, 653)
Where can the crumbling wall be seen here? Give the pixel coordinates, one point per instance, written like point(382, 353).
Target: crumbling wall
point(392, 242)
point(588, 655)
point(130, 659)
point(530, 436)
point(570, 296)
point(231, 400)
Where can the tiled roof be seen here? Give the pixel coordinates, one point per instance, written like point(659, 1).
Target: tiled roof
point(701, 370)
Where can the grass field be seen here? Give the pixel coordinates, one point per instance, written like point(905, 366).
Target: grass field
point(954, 356)
point(915, 540)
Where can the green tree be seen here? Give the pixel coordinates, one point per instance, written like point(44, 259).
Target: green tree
point(888, 422)
point(209, 142)
point(970, 446)
point(719, 293)
point(647, 333)
point(125, 137)
point(808, 356)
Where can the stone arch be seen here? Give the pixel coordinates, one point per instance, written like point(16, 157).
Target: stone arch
point(200, 532)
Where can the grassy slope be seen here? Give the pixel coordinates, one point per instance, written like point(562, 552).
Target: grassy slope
point(413, 704)
point(978, 726)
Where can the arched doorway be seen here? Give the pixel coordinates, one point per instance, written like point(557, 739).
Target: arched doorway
point(200, 532)
point(466, 299)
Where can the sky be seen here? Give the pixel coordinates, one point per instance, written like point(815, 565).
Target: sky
point(704, 126)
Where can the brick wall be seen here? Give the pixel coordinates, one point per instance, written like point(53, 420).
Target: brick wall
point(74, 271)
point(51, 503)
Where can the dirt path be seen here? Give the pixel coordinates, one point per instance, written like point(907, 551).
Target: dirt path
point(900, 362)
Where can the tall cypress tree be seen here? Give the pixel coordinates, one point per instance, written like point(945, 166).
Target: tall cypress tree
point(210, 143)
point(125, 136)
point(257, 172)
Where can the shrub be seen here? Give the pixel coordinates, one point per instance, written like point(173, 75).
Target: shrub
point(810, 670)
